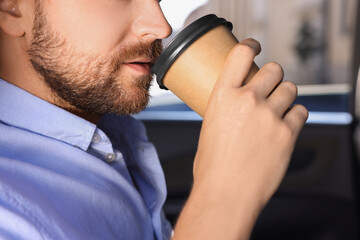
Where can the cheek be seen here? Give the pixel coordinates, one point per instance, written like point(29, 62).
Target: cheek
point(91, 26)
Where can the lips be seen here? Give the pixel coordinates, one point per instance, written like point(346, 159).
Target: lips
point(142, 66)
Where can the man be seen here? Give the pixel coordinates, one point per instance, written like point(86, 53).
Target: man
point(74, 165)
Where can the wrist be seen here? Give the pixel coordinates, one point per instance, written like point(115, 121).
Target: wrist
point(217, 215)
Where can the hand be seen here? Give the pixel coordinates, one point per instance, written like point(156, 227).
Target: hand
point(247, 138)
point(249, 132)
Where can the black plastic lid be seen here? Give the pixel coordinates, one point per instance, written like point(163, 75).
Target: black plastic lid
point(182, 41)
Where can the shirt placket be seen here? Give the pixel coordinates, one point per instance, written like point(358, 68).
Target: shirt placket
point(102, 148)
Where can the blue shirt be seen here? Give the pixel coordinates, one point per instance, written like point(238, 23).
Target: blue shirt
point(62, 177)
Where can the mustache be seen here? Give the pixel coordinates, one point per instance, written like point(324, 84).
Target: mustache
point(145, 50)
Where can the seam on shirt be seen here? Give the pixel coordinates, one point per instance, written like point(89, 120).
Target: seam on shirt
point(38, 225)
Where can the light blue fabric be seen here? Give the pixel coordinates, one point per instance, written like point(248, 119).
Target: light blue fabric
point(62, 177)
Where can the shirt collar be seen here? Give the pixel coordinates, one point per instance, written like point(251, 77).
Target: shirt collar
point(21, 109)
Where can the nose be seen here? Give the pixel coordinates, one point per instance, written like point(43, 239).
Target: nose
point(149, 21)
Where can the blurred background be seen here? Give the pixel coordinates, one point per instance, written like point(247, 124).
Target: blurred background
point(318, 44)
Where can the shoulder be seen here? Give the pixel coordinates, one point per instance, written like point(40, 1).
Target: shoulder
point(27, 203)
point(16, 214)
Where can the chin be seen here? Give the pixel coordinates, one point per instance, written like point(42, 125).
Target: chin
point(134, 102)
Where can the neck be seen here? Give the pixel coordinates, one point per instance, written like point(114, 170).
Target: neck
point(15, 68)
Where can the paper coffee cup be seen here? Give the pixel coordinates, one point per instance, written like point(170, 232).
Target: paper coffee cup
point(192, 62)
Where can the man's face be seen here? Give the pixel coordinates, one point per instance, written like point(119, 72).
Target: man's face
point(96, 54)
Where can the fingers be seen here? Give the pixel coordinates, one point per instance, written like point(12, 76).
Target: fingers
point(266, 80)
point(266, 83)
point(282, 97)
point(239, 62)
point(296, 118)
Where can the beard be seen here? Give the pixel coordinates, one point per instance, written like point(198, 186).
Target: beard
point(88, 83)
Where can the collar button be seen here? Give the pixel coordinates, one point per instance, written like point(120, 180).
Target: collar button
point(110, 157)
point(96, 138)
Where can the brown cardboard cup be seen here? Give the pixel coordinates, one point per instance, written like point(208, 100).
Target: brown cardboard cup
point(192, 62)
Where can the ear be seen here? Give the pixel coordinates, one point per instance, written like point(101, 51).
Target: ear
point(10, 18)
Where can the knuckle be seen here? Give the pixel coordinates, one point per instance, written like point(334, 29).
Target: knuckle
point(302, 111)
point(291, 87)
point(269, 115)
point(244, 49)
point(249, 96)
point(274, 67)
